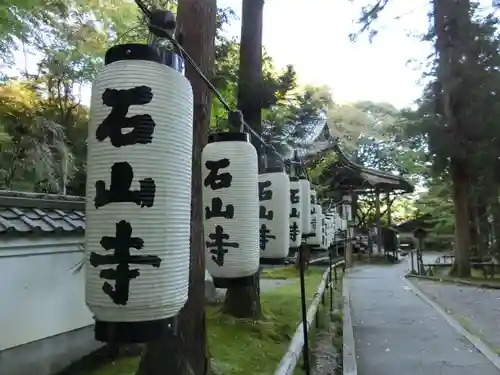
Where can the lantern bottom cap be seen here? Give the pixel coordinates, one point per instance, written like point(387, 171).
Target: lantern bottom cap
point(224, 283)
point(132, 332)
point(272, 261)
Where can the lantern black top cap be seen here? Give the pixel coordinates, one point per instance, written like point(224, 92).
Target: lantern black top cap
point(302, 178)
point(228, 137)
point(131, 51)
point(294, 178)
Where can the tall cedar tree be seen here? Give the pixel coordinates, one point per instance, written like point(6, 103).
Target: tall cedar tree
point(244, 301)
point(186, 353)
point(452, 25)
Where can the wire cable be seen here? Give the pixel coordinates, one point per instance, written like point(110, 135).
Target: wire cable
point(162, 33)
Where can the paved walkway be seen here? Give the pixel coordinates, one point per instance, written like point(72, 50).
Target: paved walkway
point(397, 333)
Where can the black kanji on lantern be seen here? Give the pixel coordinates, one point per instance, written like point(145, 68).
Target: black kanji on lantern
point(264, 214)
point(217, 211)
point(214, 179)
point(120, 101)
point(122, 274)
point(265, 235)
point(265, 195)
point(313, 210)
point(294, 196)
point(295, 213)
point(218, 245)
point(294, 231)
point(313, 223)
point(122, 175)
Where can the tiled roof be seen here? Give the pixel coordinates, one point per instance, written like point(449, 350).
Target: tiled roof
point(40, 214)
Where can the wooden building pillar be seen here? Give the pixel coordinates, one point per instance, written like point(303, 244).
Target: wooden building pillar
point(377, 220)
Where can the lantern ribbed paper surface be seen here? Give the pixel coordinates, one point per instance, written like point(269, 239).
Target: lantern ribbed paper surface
point(328, 220)
point(317, 227)
point(324, 237)
point(138, 192)
point(305, 205)
point(295, 215)
point(313, 197)
point(231, 207)
point(274, 232)
point(347, 208)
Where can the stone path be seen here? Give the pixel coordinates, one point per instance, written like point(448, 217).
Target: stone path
point(477, 309)
point(396, 332)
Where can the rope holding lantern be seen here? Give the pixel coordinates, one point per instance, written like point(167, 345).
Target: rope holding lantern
point(138, 200)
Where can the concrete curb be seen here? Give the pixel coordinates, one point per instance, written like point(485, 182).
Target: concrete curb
point(475, 340)
point(289, 361)
point(349, 364)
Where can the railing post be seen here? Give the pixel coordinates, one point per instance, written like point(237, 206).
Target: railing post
point(305, 351)
point(330, 282)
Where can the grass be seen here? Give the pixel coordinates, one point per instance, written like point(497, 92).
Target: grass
point(241, 346)
point(285, 273)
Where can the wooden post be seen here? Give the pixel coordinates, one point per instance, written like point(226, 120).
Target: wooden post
point(389, 211)
point(377, 220)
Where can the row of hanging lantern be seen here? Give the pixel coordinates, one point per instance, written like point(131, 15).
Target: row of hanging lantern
point(139, 200)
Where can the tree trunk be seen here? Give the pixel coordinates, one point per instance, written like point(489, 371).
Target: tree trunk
point(452, 27)
point(186, 353)
point(250, 70)
point(483, 229)
point(495, 208)
point(473, 227)
point(244, 301)
point(460, 194)
point(306, 256)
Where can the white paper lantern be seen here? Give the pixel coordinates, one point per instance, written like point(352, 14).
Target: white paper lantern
point(305, 204)
point(329, 230)
point(295, 214)
point(231, 204)
point(274, 232)
point(138, 195)
point(347, 207)
point(317, 227)
point(313, 197)
point(324, 236)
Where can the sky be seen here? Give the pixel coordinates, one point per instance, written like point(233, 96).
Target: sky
point(314, 38)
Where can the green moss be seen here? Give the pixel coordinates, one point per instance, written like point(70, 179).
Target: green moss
point(122, 366)
point(288, 272)
point(243, 346)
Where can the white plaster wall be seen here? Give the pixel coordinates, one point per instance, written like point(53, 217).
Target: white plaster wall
point(39, 295)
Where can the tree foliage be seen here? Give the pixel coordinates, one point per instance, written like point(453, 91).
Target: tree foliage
point(68, 39)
